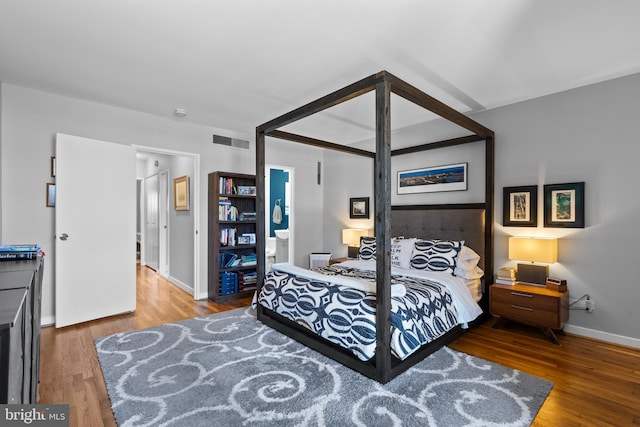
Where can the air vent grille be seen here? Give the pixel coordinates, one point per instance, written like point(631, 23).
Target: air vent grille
point(230, 142)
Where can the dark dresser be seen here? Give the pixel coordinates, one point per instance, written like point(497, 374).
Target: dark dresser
point(20, 298)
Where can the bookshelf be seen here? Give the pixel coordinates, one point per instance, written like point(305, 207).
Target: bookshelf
point(232, 237)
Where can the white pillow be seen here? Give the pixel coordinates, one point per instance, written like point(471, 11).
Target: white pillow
point(401, 250)
point(474, 273)
point(467, 259)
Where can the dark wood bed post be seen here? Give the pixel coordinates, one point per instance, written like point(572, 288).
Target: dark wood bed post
point(382, 188)
point(383, 367)
point(260, 209)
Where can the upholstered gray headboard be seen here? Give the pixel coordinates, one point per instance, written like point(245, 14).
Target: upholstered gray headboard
point(442, 223)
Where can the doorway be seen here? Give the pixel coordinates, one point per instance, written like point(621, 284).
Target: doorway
point(279, 221)
point(174, 238)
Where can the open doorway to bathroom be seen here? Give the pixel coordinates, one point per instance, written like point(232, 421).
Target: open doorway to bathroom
point(279, 221)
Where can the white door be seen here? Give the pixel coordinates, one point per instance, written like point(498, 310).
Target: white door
point(151, 236)
point(163, 224)
point(95, 223)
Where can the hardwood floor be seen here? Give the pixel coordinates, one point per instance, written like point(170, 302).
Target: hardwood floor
point(69, 368)
point(595, 384)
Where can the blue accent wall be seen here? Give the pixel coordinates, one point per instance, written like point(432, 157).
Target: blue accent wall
point(278, 178)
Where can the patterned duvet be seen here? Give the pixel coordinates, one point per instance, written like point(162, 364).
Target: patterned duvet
point(346, 316)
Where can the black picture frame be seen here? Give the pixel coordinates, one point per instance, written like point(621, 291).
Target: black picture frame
point(564, 205)
point(359, 208)
point(520, 206)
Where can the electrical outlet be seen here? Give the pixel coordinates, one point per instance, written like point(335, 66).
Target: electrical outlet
point(590, 305)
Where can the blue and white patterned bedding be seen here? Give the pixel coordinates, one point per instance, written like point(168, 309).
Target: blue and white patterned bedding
point(345, 315)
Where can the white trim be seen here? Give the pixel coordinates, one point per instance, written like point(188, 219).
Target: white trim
point(602, 336)
point(180, 284)
point(195, 208)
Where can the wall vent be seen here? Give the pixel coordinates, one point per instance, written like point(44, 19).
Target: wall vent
point(230, 142)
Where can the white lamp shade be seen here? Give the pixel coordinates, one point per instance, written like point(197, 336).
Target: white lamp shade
point(351, 236)
point(533, 249)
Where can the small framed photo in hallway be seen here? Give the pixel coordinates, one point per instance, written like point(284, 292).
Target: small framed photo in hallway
point(181, 193)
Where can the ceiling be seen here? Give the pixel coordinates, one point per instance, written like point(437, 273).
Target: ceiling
point(237, 64)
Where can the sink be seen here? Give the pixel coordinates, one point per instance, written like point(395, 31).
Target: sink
point(282, 234)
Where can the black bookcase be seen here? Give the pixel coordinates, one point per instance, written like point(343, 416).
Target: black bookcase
point(232, 236)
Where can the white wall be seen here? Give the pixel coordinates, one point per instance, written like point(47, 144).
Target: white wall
point(30, 119)
point(307, 194)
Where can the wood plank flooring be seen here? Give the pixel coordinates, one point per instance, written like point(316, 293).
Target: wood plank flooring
point(595, 384)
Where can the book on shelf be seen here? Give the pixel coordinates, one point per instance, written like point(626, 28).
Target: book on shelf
point(506, 281)
point(247, 216)
point(250, 259)
point(228, 236)
point(227, 259)
point(226, 185)
point(227, 212)
point(228, 283)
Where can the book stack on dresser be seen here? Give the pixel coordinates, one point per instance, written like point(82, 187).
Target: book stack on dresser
point(506, 276)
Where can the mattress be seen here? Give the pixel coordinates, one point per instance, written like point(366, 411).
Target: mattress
point(338, 302)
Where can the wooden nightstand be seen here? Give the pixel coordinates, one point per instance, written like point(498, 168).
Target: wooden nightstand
point(538, 306)
point(337, 260)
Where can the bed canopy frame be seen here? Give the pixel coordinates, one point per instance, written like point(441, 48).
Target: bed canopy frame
point(384, 366)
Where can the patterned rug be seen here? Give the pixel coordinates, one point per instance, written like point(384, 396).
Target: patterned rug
point(228, 369)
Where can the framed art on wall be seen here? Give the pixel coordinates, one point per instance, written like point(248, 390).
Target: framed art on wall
point(181, 193)
point(359, 207)
point(433, 179)
point(520, 206)
point(564, 205)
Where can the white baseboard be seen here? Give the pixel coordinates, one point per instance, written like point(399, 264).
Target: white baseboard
point(48, 321)
point(180, 284)
point(602, 336)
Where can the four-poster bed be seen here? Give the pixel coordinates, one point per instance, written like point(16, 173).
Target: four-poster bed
point(469, 222)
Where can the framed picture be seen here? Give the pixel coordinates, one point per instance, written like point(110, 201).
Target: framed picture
point(359, 207)
point(520, 206)
point(53, 167)
point(181, 193)
point(247, 190)
point(432, 179)
point(51, 195)
point(564, 205)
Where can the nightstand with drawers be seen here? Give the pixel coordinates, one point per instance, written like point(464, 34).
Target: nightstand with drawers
point(533, 305)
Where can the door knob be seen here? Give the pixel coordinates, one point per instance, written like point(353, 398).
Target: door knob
point(64, 236)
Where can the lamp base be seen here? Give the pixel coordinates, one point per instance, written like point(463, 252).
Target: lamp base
point(532, 273)
point(352, 251)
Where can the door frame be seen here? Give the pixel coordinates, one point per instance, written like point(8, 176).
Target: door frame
point(164, 255)
point(194, 206)
point(267, 203)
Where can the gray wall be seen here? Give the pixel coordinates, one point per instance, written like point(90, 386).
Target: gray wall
point(588, 134)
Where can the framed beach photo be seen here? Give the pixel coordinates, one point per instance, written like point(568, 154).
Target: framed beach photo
point(520, 206)
point(433, 179)
point(359, 207)
point(564, 205)
point(181, 193)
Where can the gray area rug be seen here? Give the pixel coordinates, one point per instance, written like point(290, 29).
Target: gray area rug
point(228, 369)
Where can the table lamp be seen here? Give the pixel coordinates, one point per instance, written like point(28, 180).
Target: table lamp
point(351, 238)
point(533, 250)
